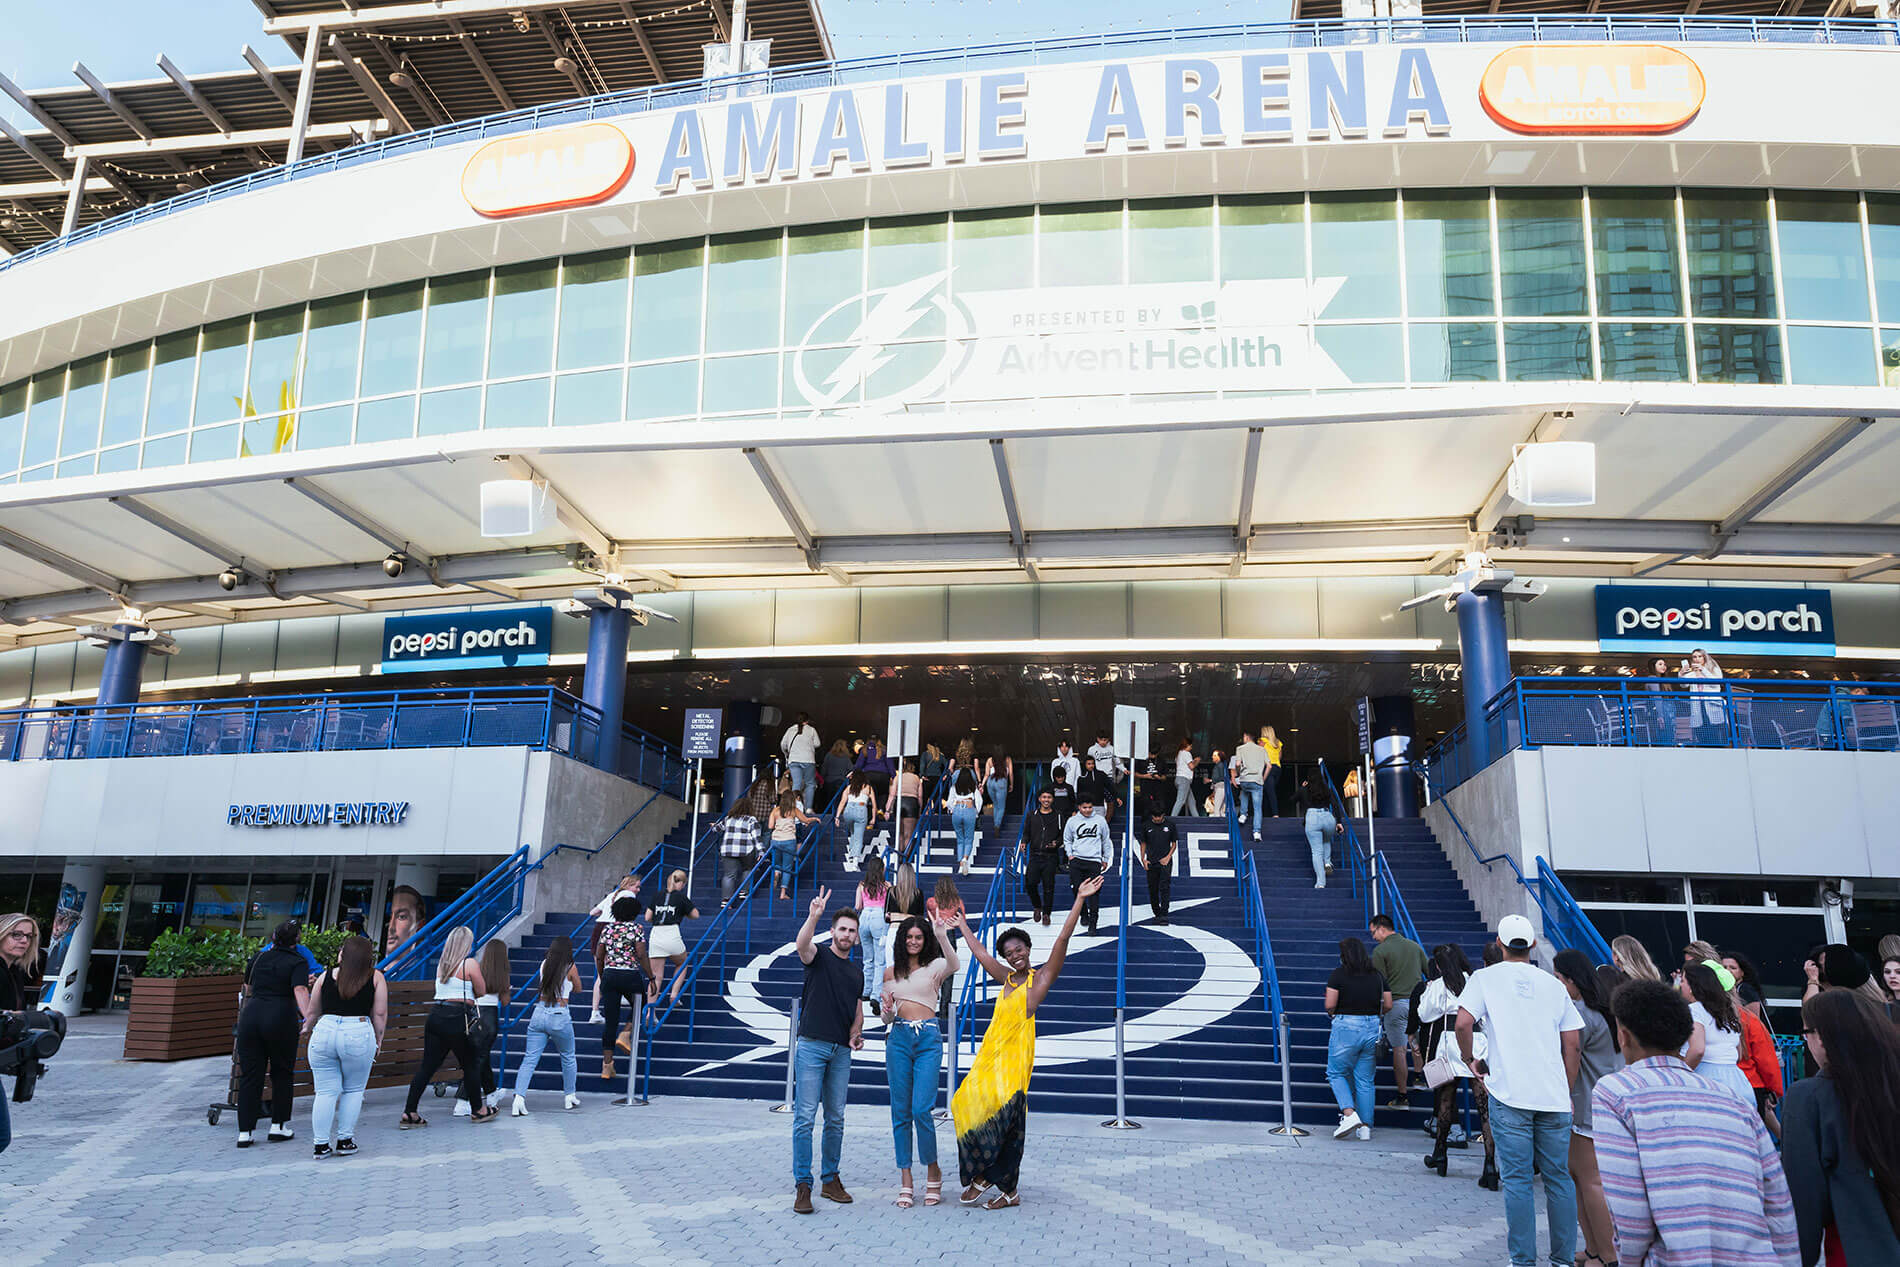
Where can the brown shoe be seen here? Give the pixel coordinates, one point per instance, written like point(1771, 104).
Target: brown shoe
point(607, 1066)
point(834, 1191)
point(801, 1204)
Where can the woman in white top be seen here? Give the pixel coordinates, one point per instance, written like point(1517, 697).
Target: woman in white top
point(1707, 715)
point(1184, 763)
point(458, 983)
point(1715, 1046)
point(551, 1023)
point(857, 812)
point(1217, 800)
point(913, 1050)
point(962, 801)
point(1432, 1025)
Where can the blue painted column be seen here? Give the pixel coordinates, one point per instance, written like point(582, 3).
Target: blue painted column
point(1484, 653)
point(119, 680)
point(604, 684)
point(742, 748)
point(1392, 730)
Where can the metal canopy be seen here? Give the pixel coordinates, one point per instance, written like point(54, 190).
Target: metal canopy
point(1383, 484)
point(1323, 10)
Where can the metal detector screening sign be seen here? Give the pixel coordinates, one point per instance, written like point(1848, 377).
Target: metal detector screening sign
point(1677, 619)
point(468, 640)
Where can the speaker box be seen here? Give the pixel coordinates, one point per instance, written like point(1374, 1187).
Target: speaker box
point(1558, 473)
point(516, 508)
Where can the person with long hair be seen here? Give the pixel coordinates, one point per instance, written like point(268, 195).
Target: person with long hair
point(347, 1013)
point(458, 983)
point(999, 773)
point(787, 817)
point(277, 994)
point(1714, 1049)
point(19, 960)
point(1356, 997)
point(1184, 765)
point(1661, 701)
point(836, 767)
point(922, 960)
point(857, 810)
point(902, 806)
point(1708, 714)
point(1747, 983)
point(1435, 1015)
point(1629, 957)
point(1841, 1143)
point(624, 973)
point(555, 982)
point(873, 889)
point(991, 1106)
point(903, 900)
point(963, 801)
point(665, 943)
point(1596, 1056)
point(496, 976)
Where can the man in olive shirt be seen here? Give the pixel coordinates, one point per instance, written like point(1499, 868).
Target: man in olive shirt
point(1402, 962)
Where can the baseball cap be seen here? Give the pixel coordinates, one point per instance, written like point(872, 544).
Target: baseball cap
point(1722, 975)
point(1516, 933)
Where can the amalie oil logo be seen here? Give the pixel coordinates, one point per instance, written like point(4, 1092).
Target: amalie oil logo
point(543, 171)
point(1592, 88)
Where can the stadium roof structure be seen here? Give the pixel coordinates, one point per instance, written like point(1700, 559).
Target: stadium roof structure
point(381, 67)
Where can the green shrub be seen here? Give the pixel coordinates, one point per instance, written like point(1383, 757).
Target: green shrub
point(200, 953)
point(324, 943)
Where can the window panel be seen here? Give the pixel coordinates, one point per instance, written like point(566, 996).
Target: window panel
point(1357, 237)
point(521, 339)
point(668, 389)
point(823, 279)
point(85, 397)
point(734, 383)
point(1647, 352)
point(443, 413)
point(174, 366)
point(221, 356)
point(114, 461)
point(1262, 239)
point(583, 399)
point(907, 250)
point(1823, 264)
point(12, 424)
point(1829, 355)
point(1448, 257)
point(1731, 269)
point(324, 428)
point(392, 340)
point(42, 418)
point(1080, 246)
point(76, 466)
point(1883, 231)
point(214, 444)
point(523, 403)
point(169, 451)
point(1171, 240)
point(1889, 368)
point(1541, 256)
point(1639, 273)
point(1367, 353)
point(666, 301)
point(1738, 354)
point(392, 419)
point(991, 250)
point(742, 292)
point(125, 394)
point(274, 346)
point(273, 433)
point(329, 363)
point(594, 310)
point(1546, 351)
point(456, 330)
point(1455, 352)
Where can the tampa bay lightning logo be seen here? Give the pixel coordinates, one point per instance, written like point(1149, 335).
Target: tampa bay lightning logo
point(843, 351)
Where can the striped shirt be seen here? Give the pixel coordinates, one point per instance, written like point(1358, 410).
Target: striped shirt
point(1691, 1176)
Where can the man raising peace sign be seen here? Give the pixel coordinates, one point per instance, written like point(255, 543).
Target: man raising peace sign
point(830, 1028)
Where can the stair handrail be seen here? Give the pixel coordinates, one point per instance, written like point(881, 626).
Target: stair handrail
point(1253, 909)
point(1556, 923)
point(1003, 883)
point(1575, 927)
point(1380, 866)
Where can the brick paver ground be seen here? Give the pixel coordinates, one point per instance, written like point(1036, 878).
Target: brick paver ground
point(113, 1162)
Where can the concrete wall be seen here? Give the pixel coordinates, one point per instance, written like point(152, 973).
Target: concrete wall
point(1502, 810)
point(579, 805)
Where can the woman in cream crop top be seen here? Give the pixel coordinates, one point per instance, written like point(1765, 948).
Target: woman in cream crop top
point(922, 956)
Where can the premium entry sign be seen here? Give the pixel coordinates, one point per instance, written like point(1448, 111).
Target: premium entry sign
point(1676, 619)
point(504, 639)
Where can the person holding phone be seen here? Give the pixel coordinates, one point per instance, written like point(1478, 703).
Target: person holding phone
point(1708, 714)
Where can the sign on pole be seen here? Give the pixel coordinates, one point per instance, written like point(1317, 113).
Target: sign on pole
point(1362, 713)
point(702, 734)
point(905, 721)
point(1131, 732)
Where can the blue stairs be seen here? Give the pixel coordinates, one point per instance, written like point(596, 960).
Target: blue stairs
point(1198, 1035)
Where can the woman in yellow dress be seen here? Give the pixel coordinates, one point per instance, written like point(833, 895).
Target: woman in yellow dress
point(991, 1106)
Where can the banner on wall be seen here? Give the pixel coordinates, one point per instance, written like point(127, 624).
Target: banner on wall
point(1676, 619)
point(508, 638)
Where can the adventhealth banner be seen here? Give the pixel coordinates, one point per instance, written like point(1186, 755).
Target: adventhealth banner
point(509, 638)
point(1671, 619)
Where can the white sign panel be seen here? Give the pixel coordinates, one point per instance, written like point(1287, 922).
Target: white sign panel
point(905, 721)
point(1131, 732)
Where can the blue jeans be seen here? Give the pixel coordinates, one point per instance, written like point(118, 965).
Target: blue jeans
point(1521, 1134)
point(820, 1072)
point(342, 1048)
point(872, 932)
point(913, 1056)
point(1349, 1058)
point(1319, 839)
point(963, 818)
point(549, 1026)
point(784, 862)
point(6, 1123)
point(1251, 794)
point(855, 817)
point(804, 781)
point(999, 792)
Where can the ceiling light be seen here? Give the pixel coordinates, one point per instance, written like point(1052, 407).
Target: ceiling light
point(402, 79)
point(394, 564)
point(564, 64)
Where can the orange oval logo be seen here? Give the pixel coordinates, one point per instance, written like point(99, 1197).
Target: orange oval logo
point(1586, 88)
point(540, 171)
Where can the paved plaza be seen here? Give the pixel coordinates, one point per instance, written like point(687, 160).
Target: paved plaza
point(114, 1163)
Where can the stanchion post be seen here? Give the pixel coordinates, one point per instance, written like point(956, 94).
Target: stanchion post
point(692, 836)
point(791, 1061)
point(633, 1057)
point(950, 1068)
point(1121, 1121)
point(1286, 1126)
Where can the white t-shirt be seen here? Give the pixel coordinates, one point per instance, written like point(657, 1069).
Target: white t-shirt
point(1184, 764)
point(1719, 1046)
point(964, 800)
point(1525, 1012)
point(800, 745)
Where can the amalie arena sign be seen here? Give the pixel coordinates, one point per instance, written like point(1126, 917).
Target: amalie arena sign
point(1386, 91)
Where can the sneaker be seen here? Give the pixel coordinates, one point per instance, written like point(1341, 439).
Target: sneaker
point(1399, 1102)
point(1364, 1133)
point(279, 1132)
point(1348, 1123)
point(319, 1152)
point(521, 1107)
point(492, 1099)
point(1319, 884)
point(597, 1019)
point(346, 1148)
point(244, 1139)
point(461, 1108)
point(572, 1102)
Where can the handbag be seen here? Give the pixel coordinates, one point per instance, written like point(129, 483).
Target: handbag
point(480, 1030)
point(1437, 1072)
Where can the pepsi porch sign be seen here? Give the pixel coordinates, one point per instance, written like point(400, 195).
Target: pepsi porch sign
point(505, 639)
point(1676, 619)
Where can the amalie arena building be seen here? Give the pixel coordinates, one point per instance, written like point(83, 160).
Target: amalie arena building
point(369, 517)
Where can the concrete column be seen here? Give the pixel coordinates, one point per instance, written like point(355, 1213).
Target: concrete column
point(604, 685)
point(1392, 756)
point(124, 669)
point(1484, 653)
point(69, 941)
point(742, 749)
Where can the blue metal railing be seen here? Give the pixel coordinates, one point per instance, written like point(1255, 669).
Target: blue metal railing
point(1307, 34)
point(1673, 712)
point(1566, 926)
point(1254, 912)
point(1370, 868)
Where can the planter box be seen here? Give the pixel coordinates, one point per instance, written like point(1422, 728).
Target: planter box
point(178, 1018)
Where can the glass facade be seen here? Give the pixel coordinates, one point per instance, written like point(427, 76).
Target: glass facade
point(1204, 297)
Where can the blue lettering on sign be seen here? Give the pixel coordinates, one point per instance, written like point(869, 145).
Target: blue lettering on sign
point(1680, 618)
point(1000, 115)
point(1116, 110)
point(685, 154)
point(1265, 112)
point(899, 152)
point(1193, 85)
point(320, 814)
point(1415, 97)
point(776, 139)
point(496, 638)
point(840, 135)
point(1336, 95)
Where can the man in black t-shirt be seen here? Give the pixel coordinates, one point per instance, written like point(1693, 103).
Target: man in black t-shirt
point(1155, 843)
point(1042, 846)
point(1062, 792)
point(830, 1028)
point(1099, 789)
point(1152, 788)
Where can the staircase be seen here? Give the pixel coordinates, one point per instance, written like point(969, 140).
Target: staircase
point(1197, 1032)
